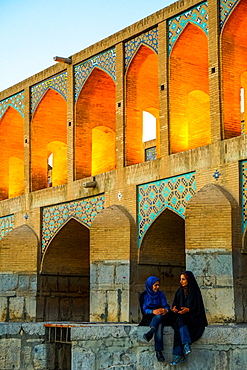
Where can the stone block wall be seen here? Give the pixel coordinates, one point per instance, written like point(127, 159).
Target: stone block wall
point(112, 346)
point(122, 347)
point(18, 297)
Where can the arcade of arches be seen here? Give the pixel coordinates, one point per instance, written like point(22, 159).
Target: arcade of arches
point(130, 161)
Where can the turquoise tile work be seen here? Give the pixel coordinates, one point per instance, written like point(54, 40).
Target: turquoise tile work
point(54, 217)
point(57, 83)
point(16, 101)
point(6, 225)
point(149, 39)
point(173, 193)
point(105, 61)
point(226, 6)
point(197, 15)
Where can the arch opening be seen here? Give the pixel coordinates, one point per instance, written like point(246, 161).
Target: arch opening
point(63, 289)
point(142, 101)
point(189, 91)
point(49, 135)
point(234, 49)
point(162, 251)
point(96, 125)
point(11, 154)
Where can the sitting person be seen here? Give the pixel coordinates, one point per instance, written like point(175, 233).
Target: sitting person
point(190, 319)
point(155, 310)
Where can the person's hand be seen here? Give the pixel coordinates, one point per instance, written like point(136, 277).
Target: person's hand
point(174, 309)
point(184, 310)
point(160, 311)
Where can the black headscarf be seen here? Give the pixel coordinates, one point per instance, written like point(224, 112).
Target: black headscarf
point(191, 297)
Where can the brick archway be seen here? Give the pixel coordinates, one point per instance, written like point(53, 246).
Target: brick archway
point(63, 292)
point(11, 154)
point(189, 91)
point(233, 49)
point(141, 95)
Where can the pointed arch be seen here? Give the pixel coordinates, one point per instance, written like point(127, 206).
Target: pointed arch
point(95, 107)
point(48, 126)
point(63, 289)
point(234, 49)
point(141, 95)
point(162, 251)
point(164, 241)
point(12, 146)
point(189, 113)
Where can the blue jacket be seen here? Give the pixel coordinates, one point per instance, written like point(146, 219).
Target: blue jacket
point(151, 303)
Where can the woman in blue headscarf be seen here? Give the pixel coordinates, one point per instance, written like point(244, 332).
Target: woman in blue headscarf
point(154, 308)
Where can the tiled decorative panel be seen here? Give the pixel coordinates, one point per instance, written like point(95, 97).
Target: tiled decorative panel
point(226, 6)
point(105, 61)
point(150, 153)
point(16, 101)
point(6, 225)
point(57, 83)
point(197, 15)
point(149, 38)
point(243, 182)
point(54, 217)
point(173, 193)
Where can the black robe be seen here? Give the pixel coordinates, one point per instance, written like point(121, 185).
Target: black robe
point(195, 319)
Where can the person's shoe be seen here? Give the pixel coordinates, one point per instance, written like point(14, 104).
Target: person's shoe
point(187, 349)
point(148, 336)
point(178, 360)
point(160, 356)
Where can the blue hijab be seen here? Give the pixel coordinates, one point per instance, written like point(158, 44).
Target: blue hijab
point(149, 287)
point(153, 300)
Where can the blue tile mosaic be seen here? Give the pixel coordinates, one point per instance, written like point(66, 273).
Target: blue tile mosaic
point(150, 153)
point(57, 83)
point(197, 15)
point(16, 101)
point(149, 38)
point(226, 6)
point(54, 217)
point(173, 193)
point(105, 61)
point(6, 225)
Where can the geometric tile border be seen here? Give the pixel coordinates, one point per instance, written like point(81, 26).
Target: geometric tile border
point(57, 83)
point(6, 225)
point(243, 187)
point(16, 101)
point(105, 61)
point(173, 193)
point(197, 15)
point(226, 6)
point(149, 38)
point(54, 217)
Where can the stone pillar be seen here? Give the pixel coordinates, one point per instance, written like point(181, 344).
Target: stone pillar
point(210, 228)
point(110, 266)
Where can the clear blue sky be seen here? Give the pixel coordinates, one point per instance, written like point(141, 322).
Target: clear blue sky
point(34, 31)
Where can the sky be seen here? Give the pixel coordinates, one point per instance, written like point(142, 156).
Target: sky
point(34, 31)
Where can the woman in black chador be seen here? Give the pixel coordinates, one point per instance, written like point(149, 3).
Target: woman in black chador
point(190, 316)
